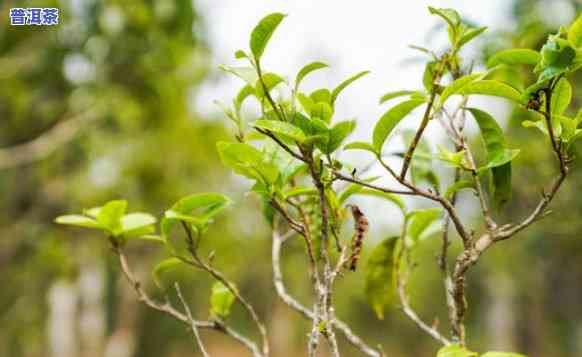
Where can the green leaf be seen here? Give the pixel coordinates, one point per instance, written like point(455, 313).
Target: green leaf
point(262, 34)
point(455, 351)
point(163, 267)
point(339, 133)
point(135, 224)
point(282, 128)
point(79, 221)
point(306, 102)
point(360, 145)
point(300, 191)
point(271, 80)
point(497, 150)
point(247, 74)
point(221, 300)
point(428, 75)
point(153, 238)
point(390, 119)
point(346, 83)
point(420, 220)
point(245, 160)
point(379, 284)
point(493, 88)
point(240, 54)
point(469, 35)
point(322, 95)
point(321, 110)
point(110, 216)
point(456, 86)
point(197, 209)
point(551, 72)
point(449, 15)
point(455, 159)
point(500, 159)
point(561, 97)
point(313, 66)
point(201, 201)
point(515, 56)
point(502, 354)
point(401, 93)
point(242, 95)
point(457, 186)
point(575, 32)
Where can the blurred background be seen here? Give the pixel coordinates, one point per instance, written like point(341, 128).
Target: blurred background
point(116, 102)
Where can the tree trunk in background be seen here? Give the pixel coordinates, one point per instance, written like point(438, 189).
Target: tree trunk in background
point(62, 302)
point(92, 314)
point(122, 342)
point(500, 318)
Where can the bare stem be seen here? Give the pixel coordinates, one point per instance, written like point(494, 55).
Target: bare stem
point(169, 310)
point(192, 322)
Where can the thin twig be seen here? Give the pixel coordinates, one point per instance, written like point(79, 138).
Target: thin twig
point(281, 290)
point(401, 283)
point(192, 322)
point(169, 310)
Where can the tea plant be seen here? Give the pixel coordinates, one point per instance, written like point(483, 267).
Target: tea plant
point(290, 155)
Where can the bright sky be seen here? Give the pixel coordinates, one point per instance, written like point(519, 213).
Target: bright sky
point(372, 35)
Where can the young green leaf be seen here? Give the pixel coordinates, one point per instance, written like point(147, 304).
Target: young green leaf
point(322, 95)
point(449, 15)
point(346, 83)
point(245, 160)
point(79, 221)
point(469, 34)
point(270, 80)
point(379, 284)
point(497, 149)
point(163, 267)
point(322, 111)
point(561, 97)
point(262, 34)
point(575, 33)
point(240, 54)
point(502, 354)
point(242, 95)
point(300, 191)
point(202, 202)
point(360, 145)
point(456, 86)
point(110, 216)
point(136, 224)
point(313, 66)
point(514, 56)
point(247, 74)
point(390, 119)
point(492, 88)
point(455, 351)
point(281, 128)
point(221, 300)
point(455, 159)
point(401, 93)
point(420, 220)
point(338, 133)
point(457, 186)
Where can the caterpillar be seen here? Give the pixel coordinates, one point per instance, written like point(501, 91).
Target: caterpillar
point(361, 228)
